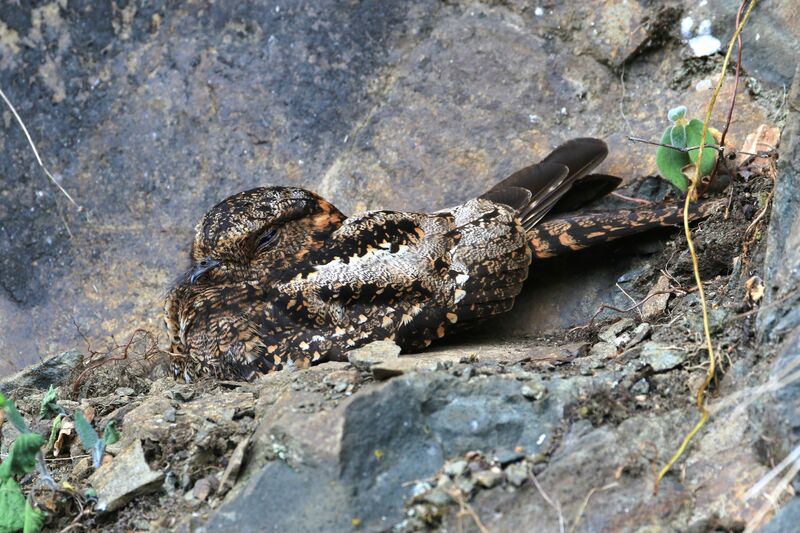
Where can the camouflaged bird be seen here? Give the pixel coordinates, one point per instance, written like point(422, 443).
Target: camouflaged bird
point(280, 277)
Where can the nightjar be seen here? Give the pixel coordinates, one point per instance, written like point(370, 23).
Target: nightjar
point(279, 277)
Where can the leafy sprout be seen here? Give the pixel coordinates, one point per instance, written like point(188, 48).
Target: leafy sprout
point(680, 149)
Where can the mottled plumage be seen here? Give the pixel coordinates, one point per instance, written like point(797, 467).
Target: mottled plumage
point(280, 277)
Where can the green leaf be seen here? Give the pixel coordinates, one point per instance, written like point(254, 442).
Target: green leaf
point(49, 407)
point(98, 451)
point(678, 136)
point(110, 433)
point(54, 429)
point(670, 162)
point(91, 442)
point(12, 506)
point(13, 415)
point(676, 113)
point(694, 130)
point(34, 519)
point(86, 432)
point(21, 459)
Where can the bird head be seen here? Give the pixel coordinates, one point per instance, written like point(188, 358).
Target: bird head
point(258, 231)
point(253, 236)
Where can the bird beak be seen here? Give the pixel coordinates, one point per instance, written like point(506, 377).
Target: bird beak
point(201, 268)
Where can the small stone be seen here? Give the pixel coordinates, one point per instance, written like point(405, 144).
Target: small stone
point(233, 468)
point(656, 301)
point(82, 468)
point(640, 387)
point(517, 473)
point(340, 380)
point(456, 468)
point(488, 478)
point(662, 357)
point(610, 333)
point(373, 353)
point(420, 488)
point(204, 487)
point(170, 414)
point(124, 391)
point(438, 497)
point(124, 478)
point(141, 525)
point(444, 482)
point(465, 485)
point(704, 45)
point(533, 391)
point(506, 457)
point(181, 393)
point(639, 333)
point(603, 350)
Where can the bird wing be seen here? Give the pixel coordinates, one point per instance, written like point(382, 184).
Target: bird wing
point(410, 277)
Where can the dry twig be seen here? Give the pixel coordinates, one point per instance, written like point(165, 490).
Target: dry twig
point(690, 195)
point(36, 152)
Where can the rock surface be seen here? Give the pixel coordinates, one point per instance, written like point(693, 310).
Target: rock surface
point(149, 113)
point(124, 478)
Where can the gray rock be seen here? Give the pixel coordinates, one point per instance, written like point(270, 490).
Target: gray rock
point(455, 468)
point(488, 478)
point(656, 301)
point(507, 457)
point(602, 351)
point(372, 444)
point(640, 387)
point(234, 467)
point(661, 356)
point(54, 370)
point(373, 353)
point(127, 476)
point(639, 333)
point(438, 497)
point(785, 520)
point(533, 390)
point(517, 473)
point(610, 333)
point(782, 262)
point(771, 57)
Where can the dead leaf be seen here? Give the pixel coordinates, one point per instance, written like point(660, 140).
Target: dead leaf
point(755, 289)
point(64, 435)
point(764, 139)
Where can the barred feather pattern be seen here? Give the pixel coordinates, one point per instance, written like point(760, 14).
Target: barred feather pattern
point(280, 278)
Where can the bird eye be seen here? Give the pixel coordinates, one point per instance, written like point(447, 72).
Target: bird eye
point(266, 239)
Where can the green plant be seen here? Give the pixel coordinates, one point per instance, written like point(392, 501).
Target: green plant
point(16, 513)
point(680, 148)
point(91, 442)
point(49, 408)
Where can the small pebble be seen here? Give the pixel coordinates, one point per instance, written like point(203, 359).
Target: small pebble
point(488, 478)
point(506, 457)
point(517, 473)
point(438, 497)
point(640, 387)
point(170, 414)
point(420, 488)
point(456, 468)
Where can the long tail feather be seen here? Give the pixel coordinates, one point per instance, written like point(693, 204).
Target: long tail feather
point(571, 233)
